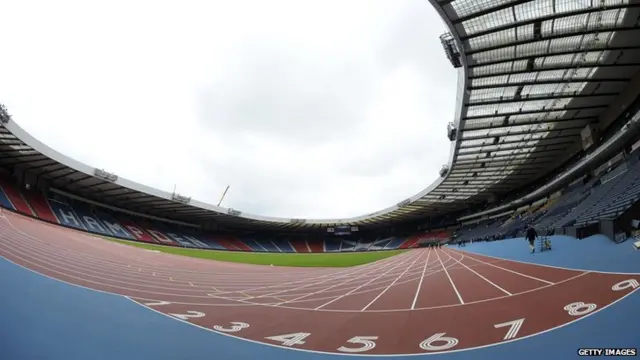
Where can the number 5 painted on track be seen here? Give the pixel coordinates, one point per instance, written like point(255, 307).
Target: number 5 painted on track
point(367, 342)
point(514, 327)
point(627, 284)
point(189, 314)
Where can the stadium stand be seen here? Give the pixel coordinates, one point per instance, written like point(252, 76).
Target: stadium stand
point(14, 195)
point(585, 202)
point(102, 221)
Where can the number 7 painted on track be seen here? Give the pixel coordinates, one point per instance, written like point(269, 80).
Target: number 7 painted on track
point(514, 328)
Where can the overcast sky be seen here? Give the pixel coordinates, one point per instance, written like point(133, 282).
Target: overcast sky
point(310, 109)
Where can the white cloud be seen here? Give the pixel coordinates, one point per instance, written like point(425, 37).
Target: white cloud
point(317, 109)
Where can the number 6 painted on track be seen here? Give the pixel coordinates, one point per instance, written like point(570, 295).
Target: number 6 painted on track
point(439, 337)
point(627, 284)
point(235, 327)
point(367, 343)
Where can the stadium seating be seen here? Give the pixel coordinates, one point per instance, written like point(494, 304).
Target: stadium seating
point(625, 192)
point(40, 206)
point(102, 221)
point(14, 196)
point(300, 245)
point(4, 200)
point(580, 204)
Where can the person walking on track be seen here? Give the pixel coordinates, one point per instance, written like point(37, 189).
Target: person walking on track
point(531, 237)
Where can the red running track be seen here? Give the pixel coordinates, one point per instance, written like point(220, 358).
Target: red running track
point(418, 302)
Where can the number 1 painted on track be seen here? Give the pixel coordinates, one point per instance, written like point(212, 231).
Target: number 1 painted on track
point(514, 328)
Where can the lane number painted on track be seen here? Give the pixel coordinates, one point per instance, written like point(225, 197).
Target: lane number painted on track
point(627, 284)
point(235, 327)
point(514, 327)
point(579, 308)
point(367, 342)
point(290, 339)
point(190, 314)
point(430, 343)
point(157, 303)
point(437, 342)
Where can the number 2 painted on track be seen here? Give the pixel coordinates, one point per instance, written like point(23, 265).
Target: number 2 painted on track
point(189, 314)
point(367, 342)
point(627, 284)
point(157, 303)
point(235, 327)
point(514, 327)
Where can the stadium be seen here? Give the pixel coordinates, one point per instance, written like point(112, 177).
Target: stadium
point(545, 135)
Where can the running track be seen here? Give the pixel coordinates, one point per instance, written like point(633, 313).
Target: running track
point(423, 301)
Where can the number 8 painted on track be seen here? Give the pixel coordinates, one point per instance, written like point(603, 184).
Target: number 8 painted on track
point(574, 309)
point(429, 346)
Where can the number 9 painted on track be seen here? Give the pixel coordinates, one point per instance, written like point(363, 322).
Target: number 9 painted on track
point(627, 284)
point(367, 342)
point(449, 342)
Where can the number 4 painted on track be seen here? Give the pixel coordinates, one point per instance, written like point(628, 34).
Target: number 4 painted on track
point(290, 339)
point(514, 327)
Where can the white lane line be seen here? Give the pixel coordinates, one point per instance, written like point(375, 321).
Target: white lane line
point(393, 283)
point(361, 286)
point(367, 271)
point(415, 298)
point(482, 277)
point(451, 281)
point(511, 271)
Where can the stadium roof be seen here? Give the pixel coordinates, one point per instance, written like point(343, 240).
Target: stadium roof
point(532, 75)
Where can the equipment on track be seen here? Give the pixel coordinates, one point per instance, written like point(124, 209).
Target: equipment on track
point(544, 243)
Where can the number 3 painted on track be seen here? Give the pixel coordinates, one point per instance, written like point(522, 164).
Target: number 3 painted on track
point(235, 327)
point(627, 284)
point(367, 343)
point(449, 342)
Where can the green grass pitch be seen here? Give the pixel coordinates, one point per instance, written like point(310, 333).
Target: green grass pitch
point(344, 259)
